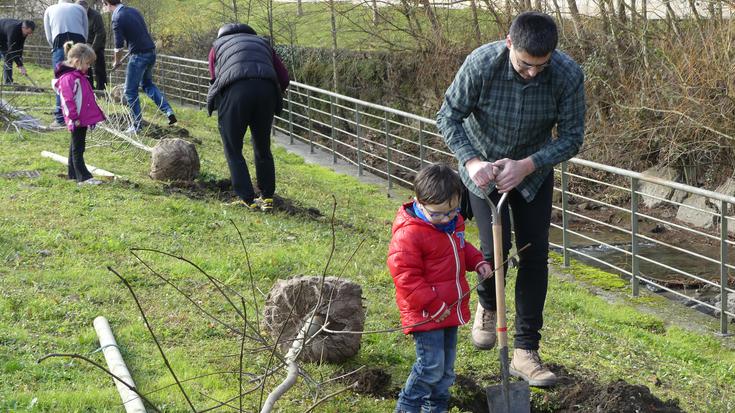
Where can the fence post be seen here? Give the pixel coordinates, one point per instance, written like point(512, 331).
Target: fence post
point(388, 155)
point(422, 150)
point(308, 117)
point(634, 235)
point(199, 90)
point(290, 117)
point(357, 134)
point(564, 213)
point(723, 268)
point(332, 132)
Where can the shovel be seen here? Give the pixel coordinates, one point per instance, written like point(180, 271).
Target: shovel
point(506, 397)
point(114, 67)
point(31, 80)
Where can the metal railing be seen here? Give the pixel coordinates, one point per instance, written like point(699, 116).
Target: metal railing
point(394, 144)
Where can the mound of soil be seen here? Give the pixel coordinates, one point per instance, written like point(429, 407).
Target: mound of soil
point(580, 394)
point(372, 381)
point(221, 190)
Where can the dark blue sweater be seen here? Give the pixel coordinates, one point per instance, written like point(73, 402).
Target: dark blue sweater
point(128, 26)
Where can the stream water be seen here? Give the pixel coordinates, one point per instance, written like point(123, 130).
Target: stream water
point(658, 253)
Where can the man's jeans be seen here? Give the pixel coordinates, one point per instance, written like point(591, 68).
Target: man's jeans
point(7, 68)
point(57, 56)
point(140, 74)
point(427, 387)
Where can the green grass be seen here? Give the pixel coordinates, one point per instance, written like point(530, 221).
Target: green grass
point(56, 240)
point(355, 29)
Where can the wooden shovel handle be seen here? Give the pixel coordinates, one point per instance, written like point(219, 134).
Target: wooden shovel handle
point(500, 284)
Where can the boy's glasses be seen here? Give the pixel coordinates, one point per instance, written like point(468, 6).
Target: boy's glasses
point(437, 214)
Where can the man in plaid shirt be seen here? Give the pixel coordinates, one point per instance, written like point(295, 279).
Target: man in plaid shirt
point(497, 118)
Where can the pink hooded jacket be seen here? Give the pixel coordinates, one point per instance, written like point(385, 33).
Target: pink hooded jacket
point(78, 103)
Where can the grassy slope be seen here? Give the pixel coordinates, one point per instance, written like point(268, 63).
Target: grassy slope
point(57, 238)
point(312, 29)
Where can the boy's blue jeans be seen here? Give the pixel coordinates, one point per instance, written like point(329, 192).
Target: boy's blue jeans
point(140, 74)
point(427, 387)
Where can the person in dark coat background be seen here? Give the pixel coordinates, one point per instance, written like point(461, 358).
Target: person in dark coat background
point(246, 86)
point(13, 35)
point(97, 37)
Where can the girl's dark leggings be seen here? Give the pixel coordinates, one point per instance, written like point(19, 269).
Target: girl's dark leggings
point(77, 169)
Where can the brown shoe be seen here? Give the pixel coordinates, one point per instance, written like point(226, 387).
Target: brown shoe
point(483, 328)
point(527, 365)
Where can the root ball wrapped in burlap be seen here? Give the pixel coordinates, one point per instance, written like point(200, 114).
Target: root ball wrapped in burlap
point(174, 160)
point(341, 307)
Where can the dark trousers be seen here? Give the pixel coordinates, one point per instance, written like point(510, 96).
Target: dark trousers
point(7, 68)
point(248, 103)
point(99, 71)
point(77, 169)
point(531, 222)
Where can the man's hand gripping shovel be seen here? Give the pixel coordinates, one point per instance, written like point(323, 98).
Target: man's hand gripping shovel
point(506, 397)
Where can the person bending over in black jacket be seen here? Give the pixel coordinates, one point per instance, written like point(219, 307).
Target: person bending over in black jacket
point(13, 35)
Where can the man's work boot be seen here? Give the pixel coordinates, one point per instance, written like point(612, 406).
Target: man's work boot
point(483, 328)
point(527, 365)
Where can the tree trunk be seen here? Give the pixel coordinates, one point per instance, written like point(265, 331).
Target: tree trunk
point(333, 21)
point(475, 22)
point(299, 8)
point(576, 20)
point(429, 10)
point(376, 15)
point(499, 23)
point(644, 33)
point(234, 10)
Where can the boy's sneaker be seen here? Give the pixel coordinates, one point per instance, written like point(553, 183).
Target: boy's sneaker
point(90, 181)
point(250, 206)
point(172, 119)
point(265, 204)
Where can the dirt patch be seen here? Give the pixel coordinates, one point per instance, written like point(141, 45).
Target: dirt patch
point(578, 394)
point(152, 130)
point(572, 393)
point(221, 190)
point(468, 395)
point(372, 381)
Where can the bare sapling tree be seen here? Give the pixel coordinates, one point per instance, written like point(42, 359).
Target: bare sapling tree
point(257, 385)
point(333, 24)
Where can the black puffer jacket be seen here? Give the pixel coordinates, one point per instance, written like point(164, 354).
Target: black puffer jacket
point(240, 56)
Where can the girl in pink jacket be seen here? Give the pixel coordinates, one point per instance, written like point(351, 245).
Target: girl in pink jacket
point(78, 105)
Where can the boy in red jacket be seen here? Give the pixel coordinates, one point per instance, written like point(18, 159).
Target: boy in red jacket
point(427, 257)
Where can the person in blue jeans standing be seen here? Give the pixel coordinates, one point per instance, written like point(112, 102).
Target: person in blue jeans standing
point(427, 258)
point(63, 22)
point(128, 26)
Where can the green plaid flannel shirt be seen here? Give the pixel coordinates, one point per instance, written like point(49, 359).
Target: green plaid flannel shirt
point(490, 112)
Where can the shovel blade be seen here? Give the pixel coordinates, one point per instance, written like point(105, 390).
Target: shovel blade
point(518, 401)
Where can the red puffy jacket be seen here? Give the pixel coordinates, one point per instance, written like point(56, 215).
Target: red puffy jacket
point(428, 268)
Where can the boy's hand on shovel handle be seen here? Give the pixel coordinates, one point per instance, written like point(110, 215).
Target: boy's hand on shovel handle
point(485, 269)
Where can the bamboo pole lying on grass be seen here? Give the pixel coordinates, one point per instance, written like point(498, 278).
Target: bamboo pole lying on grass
point(116, 364)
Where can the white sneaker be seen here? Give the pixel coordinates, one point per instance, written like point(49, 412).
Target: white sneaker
point(131, 131)
point(91, 181)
